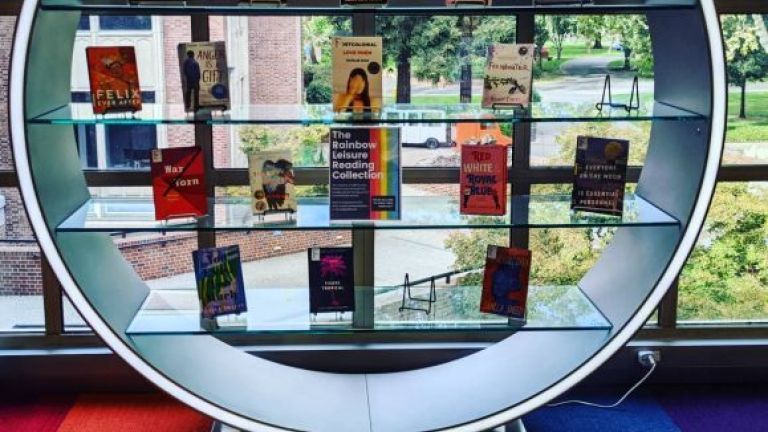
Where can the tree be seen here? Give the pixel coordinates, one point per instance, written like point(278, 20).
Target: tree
point(436, 52)
point(591, 28)
point(746, 58)
point(306, 143)
point(316, 40)
point(560, 27)
point(467, 24)
point(540, 37)
point(632, 32)
point(419, 46)
point(397, 32)
point(638, 134)
point(726, 276)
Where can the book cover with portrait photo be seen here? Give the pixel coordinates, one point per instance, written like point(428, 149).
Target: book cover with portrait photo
point(357, 74)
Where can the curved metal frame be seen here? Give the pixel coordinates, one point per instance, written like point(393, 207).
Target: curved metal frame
point(491, 387)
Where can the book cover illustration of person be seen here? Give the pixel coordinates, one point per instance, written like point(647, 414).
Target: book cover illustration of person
point(272, 182)
point(219, 276)
point(600, 175)
point(357, 74)
point(508, 75)
point(331, 280)
point(114, 79)
point(178, 183)
point(204, 75)
point(483, 180)
point(505, 282)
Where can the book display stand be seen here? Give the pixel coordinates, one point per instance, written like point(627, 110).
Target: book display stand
point(387, 368)
point(634, 98)
point(407, 297)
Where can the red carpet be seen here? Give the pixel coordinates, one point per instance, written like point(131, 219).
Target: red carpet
point(101, 413)
point(132, 413)
point(34, 415)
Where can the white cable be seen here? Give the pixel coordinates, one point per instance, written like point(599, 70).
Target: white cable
point(618, 402)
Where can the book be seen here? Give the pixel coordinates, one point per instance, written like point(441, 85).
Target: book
point(483, 180)
point(114, 78)
point(204, 75)
point(272, 182)
point(505, 281)
point(600, 175)
point(178, 182)
point(508, 75)
point(219, 277)
point(331, 280)
point(357, 74)
point(365, 173)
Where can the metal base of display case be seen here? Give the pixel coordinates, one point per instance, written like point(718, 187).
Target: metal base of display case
point(515, 426)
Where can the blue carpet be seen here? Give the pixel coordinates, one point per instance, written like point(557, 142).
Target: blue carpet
point(639, 413)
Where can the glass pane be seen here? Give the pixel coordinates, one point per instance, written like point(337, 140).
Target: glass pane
point(122, 145)
point(725, 278)
point(433, 62)
point(575, 54)
point(21, 287)
point(556, 145)
point(746, 141)
point(125, 22)
point(292, 69)
point(85, 23)
point(7, 27)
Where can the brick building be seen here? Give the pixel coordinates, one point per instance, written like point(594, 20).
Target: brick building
point(267, 72)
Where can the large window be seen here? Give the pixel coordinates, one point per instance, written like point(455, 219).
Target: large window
point(746, 47)
point(726, 277)
point(575, 55)
point(21, 288)
point(429, 62)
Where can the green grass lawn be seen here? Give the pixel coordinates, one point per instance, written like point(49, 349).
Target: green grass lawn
point(551, 68)
point(755, 127)
point(752, 129)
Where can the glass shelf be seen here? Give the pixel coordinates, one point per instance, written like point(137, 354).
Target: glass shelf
point(396, 114)
point(326, 7)
point(286, 310)
point(122, 215)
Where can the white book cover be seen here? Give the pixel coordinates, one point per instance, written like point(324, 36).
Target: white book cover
point(508, 75)
point(357, 74)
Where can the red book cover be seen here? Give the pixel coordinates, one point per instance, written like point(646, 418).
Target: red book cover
point(483, 180)
point(178, 182)
point(505, 282)
point(114, 78)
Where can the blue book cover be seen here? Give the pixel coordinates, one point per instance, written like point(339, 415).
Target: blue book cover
point(219, 276)
point(600, 175)
point(331, 280)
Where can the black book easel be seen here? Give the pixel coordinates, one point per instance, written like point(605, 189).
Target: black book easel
point(634, 98)
point(407, 292)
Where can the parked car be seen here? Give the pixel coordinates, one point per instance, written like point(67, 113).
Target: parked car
point(422, 133)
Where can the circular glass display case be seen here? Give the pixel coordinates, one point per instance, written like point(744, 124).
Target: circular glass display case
point(524, 370)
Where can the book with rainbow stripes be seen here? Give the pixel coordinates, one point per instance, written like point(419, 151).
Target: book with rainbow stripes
point(365, 173)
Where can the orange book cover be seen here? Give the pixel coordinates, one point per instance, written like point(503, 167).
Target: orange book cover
point(114, 78)
point(505, 281)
